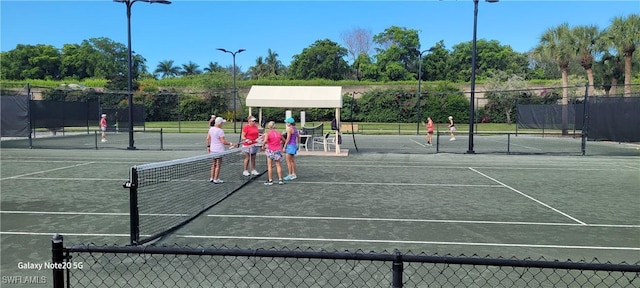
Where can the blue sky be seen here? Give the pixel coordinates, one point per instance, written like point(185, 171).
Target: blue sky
point(192, 30)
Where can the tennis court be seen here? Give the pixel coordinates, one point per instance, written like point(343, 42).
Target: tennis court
point(398, 195)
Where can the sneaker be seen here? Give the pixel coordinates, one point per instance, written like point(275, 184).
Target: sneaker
point(268, 183)
point(292, 176)
point(452, 139)
point(218, 181)
point(104, 140)
point(280, 182)
point(211, 180)
point(245, 173)
point(254, 172)
point(287, 178)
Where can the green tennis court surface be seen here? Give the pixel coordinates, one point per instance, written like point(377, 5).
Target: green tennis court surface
point(399, 195)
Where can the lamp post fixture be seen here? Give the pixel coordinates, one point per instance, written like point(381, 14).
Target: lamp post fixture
point(474, 53)
point(129, 3)
point(235, 89)
point(419, 91)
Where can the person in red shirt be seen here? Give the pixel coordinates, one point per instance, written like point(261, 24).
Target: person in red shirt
point(103, 127)
point(249, 137)
point(429, 131)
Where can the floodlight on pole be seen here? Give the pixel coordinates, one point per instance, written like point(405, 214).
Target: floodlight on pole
point(235, 88)
point(129, 3)
point(474, 54)
point(419, 90)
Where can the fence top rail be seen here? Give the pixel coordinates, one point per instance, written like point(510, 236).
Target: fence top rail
point(358, 255)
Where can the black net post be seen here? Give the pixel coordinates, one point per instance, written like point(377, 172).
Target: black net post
point(585, 118)
point(396, 280)
point(134, 218)
point(161, 141)
point(58, 260)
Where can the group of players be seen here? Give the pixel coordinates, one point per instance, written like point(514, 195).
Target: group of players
point(274, 143)
point(430, 126)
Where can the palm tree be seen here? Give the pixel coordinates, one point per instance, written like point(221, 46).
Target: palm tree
point(167, 69)
point(214, 67)
point(624, 36)
point(260, 70)
point(587, 41)
point(190, 69)
point(556, 43)
point(612, 66)
point(274, 65)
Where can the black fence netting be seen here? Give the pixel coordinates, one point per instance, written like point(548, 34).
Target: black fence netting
point(15, 116)
point(614, 118)
point(549, 116)
point(58, 114)
point(183, 266)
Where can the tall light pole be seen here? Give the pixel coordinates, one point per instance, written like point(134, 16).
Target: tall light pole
point(235, 89)
point(419, 91)
point(474, 53)
point(129, 3)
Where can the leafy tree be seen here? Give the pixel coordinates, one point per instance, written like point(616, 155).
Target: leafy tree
point(434, 64)
point(322, 60)
point(406, 43)
point(31, 62)
point(167, 69)
point(397, 45)
point(491, 57)
point(624, 35)
point(504, 93)
point(358, 42)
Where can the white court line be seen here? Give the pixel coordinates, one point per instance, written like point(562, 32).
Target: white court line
point(631, 167)
point(89, 213)
point(71, 179)
point(414, 141)
point(420, 220)
point(50, 170)
point(65, 234)
point(323, 218)
point(401, 184)
point(414, 242)
point(336, 240)
point(525, 195)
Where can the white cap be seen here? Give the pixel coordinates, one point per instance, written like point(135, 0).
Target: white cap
point(220, 120)
point(104, 115)
point(450, 117)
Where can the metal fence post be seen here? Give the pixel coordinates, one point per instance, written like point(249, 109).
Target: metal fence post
point(161, 140)
point(58, 260)
point(396, 281)
point(585, 119)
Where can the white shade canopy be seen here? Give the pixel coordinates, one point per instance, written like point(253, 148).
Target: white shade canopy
point(295, 96)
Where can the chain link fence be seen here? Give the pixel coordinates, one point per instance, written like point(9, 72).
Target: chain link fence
point(183, 266)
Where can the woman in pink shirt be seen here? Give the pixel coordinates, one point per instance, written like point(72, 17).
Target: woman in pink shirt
point(273, 140)
point(215, 145)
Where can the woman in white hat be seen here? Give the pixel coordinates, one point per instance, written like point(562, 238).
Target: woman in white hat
point(103, 127)
point(215, 144)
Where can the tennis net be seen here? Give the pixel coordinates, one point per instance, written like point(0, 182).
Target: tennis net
point(166, 195)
